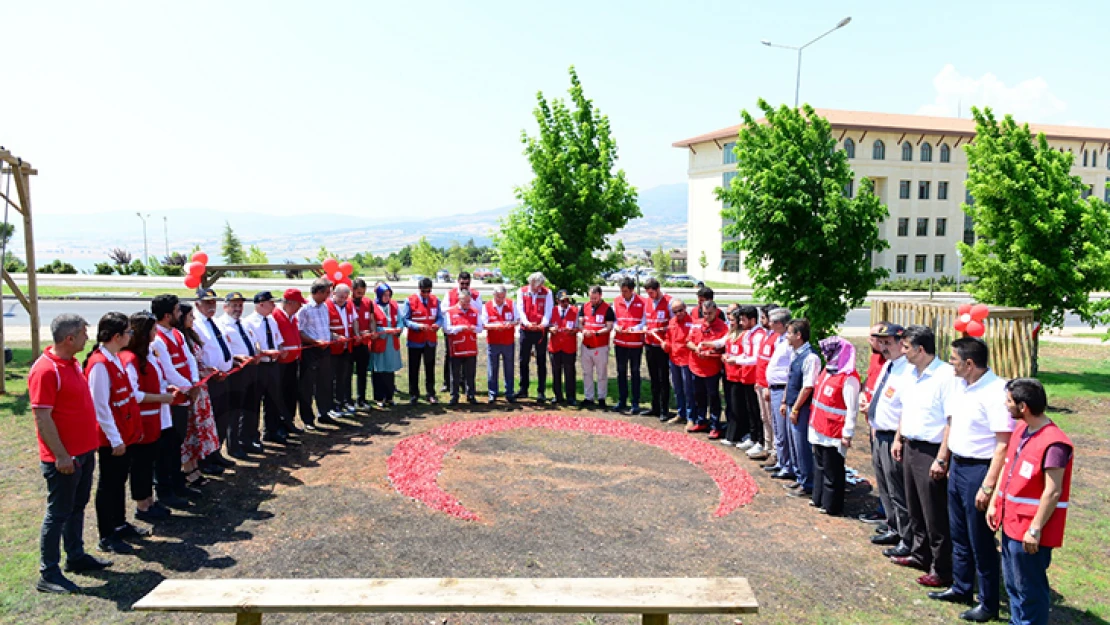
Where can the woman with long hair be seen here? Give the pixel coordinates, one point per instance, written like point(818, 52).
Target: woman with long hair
point(201, 438)
point(154, 397)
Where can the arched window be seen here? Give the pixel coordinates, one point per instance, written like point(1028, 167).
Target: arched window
point(850, 148)
point(907, 151)
point(878, 151)
point(945, 153)
point(926, 153)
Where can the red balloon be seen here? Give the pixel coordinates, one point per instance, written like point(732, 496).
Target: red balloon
point(195, 269)
point(963, 309)
point(192, 282)
point(346, 281)
point(200, 257)
point(976, 329)
point(960, 325)
point(330, 265)
point(346, 268)
point(979, 312)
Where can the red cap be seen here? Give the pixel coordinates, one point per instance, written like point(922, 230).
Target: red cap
point(294, 295)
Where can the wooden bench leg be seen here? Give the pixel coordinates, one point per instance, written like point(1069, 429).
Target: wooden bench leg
point(248, 618)
point(656, 619)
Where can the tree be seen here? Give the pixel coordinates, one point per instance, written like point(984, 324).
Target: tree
point(575, 202)
point(661, 263)
point(704, 262)
point(255, 256)
point(393, 269)
point(6, 232)
point(804, 242)
point(457, 258)
point(404, 255)
point(58, 267)
point(13, 263)
point(616, 257)
point(120, 256)
point(231, 248)
point(1038, 243)
point(426, 259)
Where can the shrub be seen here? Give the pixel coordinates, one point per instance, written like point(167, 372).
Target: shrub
point(57, 266)
point(104, 269)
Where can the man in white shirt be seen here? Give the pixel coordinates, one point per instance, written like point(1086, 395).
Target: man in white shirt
point(778, 373)
point(263, 329)
point(316, 369)
point(978, 438)
point(241, 383)
point(215, 354)
point(884, 412)
point(499, 319)
point(180, 369)
point(920, 444)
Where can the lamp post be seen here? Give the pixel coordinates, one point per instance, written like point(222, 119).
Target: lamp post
point(798, 81)
point(166, 232)
point(146, 251)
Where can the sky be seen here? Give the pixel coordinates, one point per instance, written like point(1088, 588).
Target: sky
point(404, 109)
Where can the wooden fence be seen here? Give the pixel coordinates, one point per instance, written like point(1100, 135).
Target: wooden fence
point(1009, 330)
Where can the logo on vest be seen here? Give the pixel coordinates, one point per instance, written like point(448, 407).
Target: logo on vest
point(1026, 469)
point(828, 391)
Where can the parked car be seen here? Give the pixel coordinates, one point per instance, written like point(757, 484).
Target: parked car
point(681, 277)
point(417, 278)
point(482, 273)
point(443, 276)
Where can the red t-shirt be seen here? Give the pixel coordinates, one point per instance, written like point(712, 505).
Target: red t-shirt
point(61, 385)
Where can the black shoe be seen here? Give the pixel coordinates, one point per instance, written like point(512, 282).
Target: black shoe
point(872, 517)
point(621, 408)
point(454, 401)
point(889, 538)
point(587, 403)
point(472, 400)
point(950, 596)
point(153, 514)
point(978, 614)
point(882, 528)
point(209, 468)
point(310, 427)
point(541, 400)
point(132, 531)
point(635, 410)
point(663, 418)
point(293, 430)
point(254, 447)
point(413, 400)
point(326, 420)
point(571, 403)
point(238, 454)
point(173, 501)
point(219, 460)
point(113, 544)
point(652, 413)
point(800, 492)
point(772, 469)
point(511, 399)
point(601, 404)
point(276, 439)
point(87, 562)
point(56, 583)
point(783, 475)
point(898, 551)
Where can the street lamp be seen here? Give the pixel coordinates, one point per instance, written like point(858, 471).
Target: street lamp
point(146, 251)
point(798, 81)
point(166, 231)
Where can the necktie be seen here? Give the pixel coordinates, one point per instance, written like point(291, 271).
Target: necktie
point(243, 333)
point(878, 392)
point(269, 334)
point(220, 338)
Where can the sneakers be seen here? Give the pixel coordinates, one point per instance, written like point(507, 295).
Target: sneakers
point(745, 444)
point(726, 442)
point(677, 419)
point(56, 583)
point(698, 427)
point(755, 450)
point(128, 530)
point(113, 544)
point(87, 562)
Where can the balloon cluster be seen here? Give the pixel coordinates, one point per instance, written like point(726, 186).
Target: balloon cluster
point(195, 268)
point(969, 319)
point(337, 272)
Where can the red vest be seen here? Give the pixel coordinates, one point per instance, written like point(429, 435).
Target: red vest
point(747, 372)
point(593, 319)
point(563, 342)
point(658, 316)
point(1023, 484)
point(706, 366)
point(734, 348)
point(763, 358)
point(290, 335)
point(678, 332)
point(465, 343)
point(335, 322)
point(829, 409)
point(534, 306)
point(628, 316)
point(363, 314)
point(423, 315)
point(453, 296)
point(386, 319)
point(121, 399)
point(176, 347)
point(150, 382)
point(500, 336)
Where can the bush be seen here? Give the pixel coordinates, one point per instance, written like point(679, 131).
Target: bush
point(943, 284)
point(679, 284)
point(14, 264)
point(58, 267)
point(494, 279)
point(104, 269)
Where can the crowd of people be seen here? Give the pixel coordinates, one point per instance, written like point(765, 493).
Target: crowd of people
point(958, 453)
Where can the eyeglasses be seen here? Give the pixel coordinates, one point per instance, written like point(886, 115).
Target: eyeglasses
point(425, 290)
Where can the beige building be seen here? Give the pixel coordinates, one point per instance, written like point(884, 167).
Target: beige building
point(919, 168)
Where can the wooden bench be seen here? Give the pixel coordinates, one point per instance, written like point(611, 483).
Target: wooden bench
point(654, 598)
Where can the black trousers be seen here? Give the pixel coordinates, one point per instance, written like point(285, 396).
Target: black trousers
point(270, 395)
point(341, 369)
point(385, 385)
point(927, 502)
point(111, 491)
point(167, 464)
point(447, 368)
point(243, 393)
point(315, 383)
point(659, 372)
point(219, 393)
point(64, 521)
point(463, 370)
point(628, 358)
point(143, 458)
point(289, 375)
point(564, 381)
point(743, 413)
point(532, 342)
point(828, 479)
point(425, 354)
point(360, 360)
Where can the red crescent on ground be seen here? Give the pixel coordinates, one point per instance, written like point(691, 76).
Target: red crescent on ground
point(417, 460)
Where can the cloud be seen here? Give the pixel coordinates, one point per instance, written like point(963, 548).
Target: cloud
point(1030, 100)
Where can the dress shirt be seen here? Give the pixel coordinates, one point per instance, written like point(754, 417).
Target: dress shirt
point(161, 352)
point(851, 400)
point(406, 316)
point(548, 306)
point(448, 328)
point(888, 406)
point(153, 361)
point(923, 398)
point(314, 321)
point(100, 385)
point(778, 369)
point(236, 342)
point(255, 325)
point(211, 355)
point(811, 366)
point(976, 413)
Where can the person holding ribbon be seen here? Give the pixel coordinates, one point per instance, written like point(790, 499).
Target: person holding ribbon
point(201, 438)
point(263, 328)
point(216, 356)
point(462, 326)
point(385, 348)
point(244, 349)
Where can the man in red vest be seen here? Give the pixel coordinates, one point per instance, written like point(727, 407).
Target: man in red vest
point(341, 316)
point(563, 346)
point(449, 300)
point(631, 312)
point(597, 330)
point(1030, 502)
point(462, 328)
point(289, 362)
point(658, 316)
point(533, 307)
point(423, 317)
point(678, 330)
point(365, 323)
point(499, 319)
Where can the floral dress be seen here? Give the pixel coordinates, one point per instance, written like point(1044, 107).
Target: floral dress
point(201, 438)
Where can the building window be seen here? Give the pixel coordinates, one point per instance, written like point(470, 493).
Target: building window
point(919, 263)
point(1085, 157)
point(922, 226)
point(926, 153)
point(945, 153)
point(730, 153)
point(878, 151)
point(942, 226)
point(850, 189)
point(1088, 190)
point(938, 263)
point(1094, 158)
point(923, 189)
point(907, 151)
point(969, 230)
point(726, 183)
point(900, 264)
point(730, 261)
point(1106, 191)
point(942, 190)
point(904, 189)
point(903, 226)
point(850, 148)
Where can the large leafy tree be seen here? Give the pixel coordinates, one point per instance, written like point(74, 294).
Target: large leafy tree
point(576, 201)
point(1039, 244)
point(804, 241)
point(426, 259)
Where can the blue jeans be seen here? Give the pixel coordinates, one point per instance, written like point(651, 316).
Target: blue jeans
point(507, 355)
point(1026, 582)
point(973, 553)
point(801, 450)
point(783, 451)
point(682, 381)
point(67, 496)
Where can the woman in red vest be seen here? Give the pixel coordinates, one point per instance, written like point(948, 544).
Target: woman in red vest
point(1030, 502)
point(385, 349)
point(154, 397)
point(832, 423)
point(462, 328)
point(563, 346)
point(118, 426)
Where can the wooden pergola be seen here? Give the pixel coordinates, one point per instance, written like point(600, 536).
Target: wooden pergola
point(21, 172)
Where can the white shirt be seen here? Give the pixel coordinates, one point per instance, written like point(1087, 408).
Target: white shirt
point(211, 354)
point(888, 409)
point(235, 340)
point(811, 366)
point(977, 412)
point(100, 385)
point(163, 409)
point(628, 304)
point(851, 400)
point(548, 305)
point(161, 352)
point(778, 369)
point(923, 398)
point(255, 325)
point(483, 314)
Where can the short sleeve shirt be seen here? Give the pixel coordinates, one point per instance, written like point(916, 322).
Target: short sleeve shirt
point(924, 398)
point(61, 386)
point(977, 412)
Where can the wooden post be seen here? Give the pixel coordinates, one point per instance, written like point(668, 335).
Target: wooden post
point(23, 186)
point(656, 619)
point(248, 618)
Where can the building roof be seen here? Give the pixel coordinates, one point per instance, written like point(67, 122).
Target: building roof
point(893, 122)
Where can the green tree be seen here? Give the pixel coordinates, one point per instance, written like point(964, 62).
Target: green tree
point(231, 248)
point(255, 256)
point(616, 258)
point(661, 263)
point(1039, 244)
point(6, 232)
point(426, 259)
point(393, 268)
point(704, 262)
point(457, 259)
point(804, 242)
point(13, 263)
point(576, 201)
